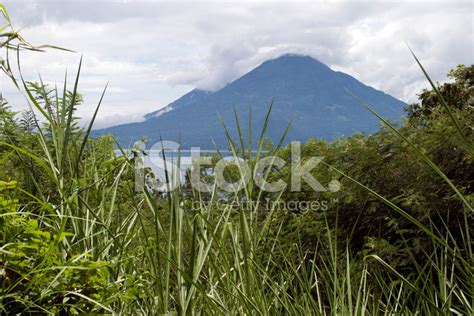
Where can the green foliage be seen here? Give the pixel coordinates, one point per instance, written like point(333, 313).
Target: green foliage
point(459, 94)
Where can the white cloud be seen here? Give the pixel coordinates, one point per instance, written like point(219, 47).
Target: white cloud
point(152, 52)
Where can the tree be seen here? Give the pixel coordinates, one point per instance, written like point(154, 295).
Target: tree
point(7, 119)
point(458, 94)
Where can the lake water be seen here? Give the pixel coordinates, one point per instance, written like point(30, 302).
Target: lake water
point(159, 166)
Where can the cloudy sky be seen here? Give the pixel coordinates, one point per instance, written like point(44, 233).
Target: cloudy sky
point(152, 52)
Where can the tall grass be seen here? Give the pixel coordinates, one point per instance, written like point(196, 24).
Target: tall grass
point(205, 260)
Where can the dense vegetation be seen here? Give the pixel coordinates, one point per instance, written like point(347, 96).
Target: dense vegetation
point(396, 239)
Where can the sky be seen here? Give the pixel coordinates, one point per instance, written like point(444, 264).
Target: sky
point(152, 52)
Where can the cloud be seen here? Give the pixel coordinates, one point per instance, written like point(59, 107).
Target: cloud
point(152, 52)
